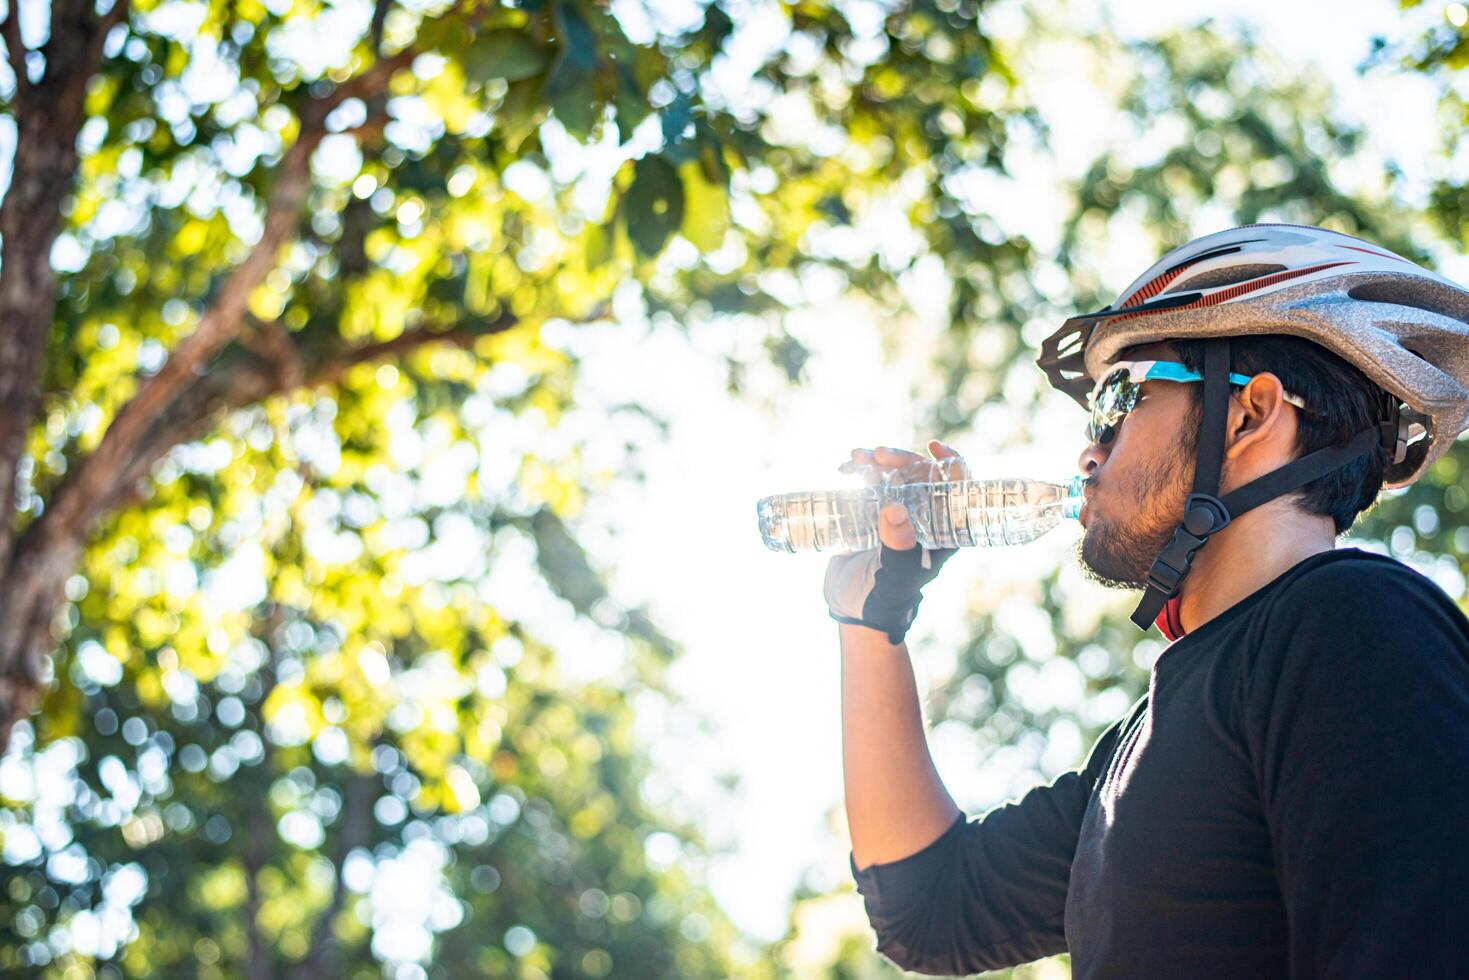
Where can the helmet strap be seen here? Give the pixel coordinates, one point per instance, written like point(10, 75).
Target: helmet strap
point(1205, 512)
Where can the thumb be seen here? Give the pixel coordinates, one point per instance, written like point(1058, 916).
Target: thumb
point(939, 450)
point(951, 465)
point(893, 527)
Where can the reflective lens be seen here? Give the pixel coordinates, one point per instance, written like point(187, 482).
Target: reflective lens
point(1117, 396)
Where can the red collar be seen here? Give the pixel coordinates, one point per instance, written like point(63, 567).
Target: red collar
point(1168, 620)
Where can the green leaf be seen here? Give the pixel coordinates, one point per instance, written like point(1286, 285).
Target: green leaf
point(706, 208)
point(571, 86)
point(578, 50)
point(655, 204)
point(520, 112)
point(790, 354)
point(503, 54)
point(717, 25)
point(440, 34)
point(578, 107)
point(630, 100)
point(711, 155)
point(597, 246)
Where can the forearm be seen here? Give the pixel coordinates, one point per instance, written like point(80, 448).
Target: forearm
point(896, 803)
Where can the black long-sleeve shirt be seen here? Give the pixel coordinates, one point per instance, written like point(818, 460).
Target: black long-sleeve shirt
point(1290, 798)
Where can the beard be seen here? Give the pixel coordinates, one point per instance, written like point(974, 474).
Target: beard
point(1118, 553)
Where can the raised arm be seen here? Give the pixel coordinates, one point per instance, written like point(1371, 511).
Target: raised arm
point(896, 803)
point(944, 895)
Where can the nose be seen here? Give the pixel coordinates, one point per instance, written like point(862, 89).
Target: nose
point(1093, 456)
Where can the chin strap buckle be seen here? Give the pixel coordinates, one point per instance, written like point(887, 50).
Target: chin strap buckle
point(1203, 514)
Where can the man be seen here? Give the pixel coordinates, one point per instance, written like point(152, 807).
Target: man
point(1291, 796)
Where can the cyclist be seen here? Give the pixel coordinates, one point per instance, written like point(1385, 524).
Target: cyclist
point(1291, 795)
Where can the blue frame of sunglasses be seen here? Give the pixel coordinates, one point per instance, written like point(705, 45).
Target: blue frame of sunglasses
point(1113, 396)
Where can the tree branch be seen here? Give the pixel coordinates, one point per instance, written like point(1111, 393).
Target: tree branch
point(78, 499)
point(374, 125)
point(49, 550)
point(379, 18)
point(365, 85)
point(272, 342)
point(330, 370)
point(15, 49)
point(253, 374)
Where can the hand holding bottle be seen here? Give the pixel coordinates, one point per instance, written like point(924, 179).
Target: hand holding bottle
point(881, 587)
point(885, 465)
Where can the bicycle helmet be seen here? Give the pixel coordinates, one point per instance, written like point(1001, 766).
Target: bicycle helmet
point(1405, 328)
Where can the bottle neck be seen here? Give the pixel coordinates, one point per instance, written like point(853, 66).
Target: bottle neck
point(1074, 497)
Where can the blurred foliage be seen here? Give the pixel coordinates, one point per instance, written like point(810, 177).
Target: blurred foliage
point(310, 713)
point(314, 711)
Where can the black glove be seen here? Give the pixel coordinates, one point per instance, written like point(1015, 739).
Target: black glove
point(881, 587)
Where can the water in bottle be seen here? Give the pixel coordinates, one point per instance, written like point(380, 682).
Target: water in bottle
point(952, 513)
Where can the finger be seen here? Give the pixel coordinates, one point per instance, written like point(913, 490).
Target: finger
point(889, 456)
point(893, 527)
point(882, 464)
point(862, 463)
point(939, 450)
point(949, 462)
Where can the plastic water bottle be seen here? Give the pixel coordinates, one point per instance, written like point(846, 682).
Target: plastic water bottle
point(945, 514)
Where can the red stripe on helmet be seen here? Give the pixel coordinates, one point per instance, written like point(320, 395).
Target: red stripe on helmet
point(1250, 285)
point(1380, 255)
point(1232, 292)
point(1155, 287)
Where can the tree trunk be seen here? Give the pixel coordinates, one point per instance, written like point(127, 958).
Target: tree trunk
point(48, 119)
point(354, 830)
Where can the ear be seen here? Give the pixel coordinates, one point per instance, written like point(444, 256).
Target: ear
point(1260, 419)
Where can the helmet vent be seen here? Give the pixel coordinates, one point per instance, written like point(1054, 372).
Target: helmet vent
point(1408, 293)
point(1225, 277)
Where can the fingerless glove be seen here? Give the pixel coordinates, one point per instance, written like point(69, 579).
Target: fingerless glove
point(881, 587)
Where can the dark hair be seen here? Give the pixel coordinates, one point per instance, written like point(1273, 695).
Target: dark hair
point(1342, 402)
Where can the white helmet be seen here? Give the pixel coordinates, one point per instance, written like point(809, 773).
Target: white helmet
point(1405, 328)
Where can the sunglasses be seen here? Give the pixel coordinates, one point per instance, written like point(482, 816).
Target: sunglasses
point(1118, 392)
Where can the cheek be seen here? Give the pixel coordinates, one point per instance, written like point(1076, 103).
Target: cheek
point(1144, 454)
point(1153, 428)
point(1135, 441)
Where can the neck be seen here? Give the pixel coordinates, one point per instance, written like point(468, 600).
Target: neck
point(1255, 549)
